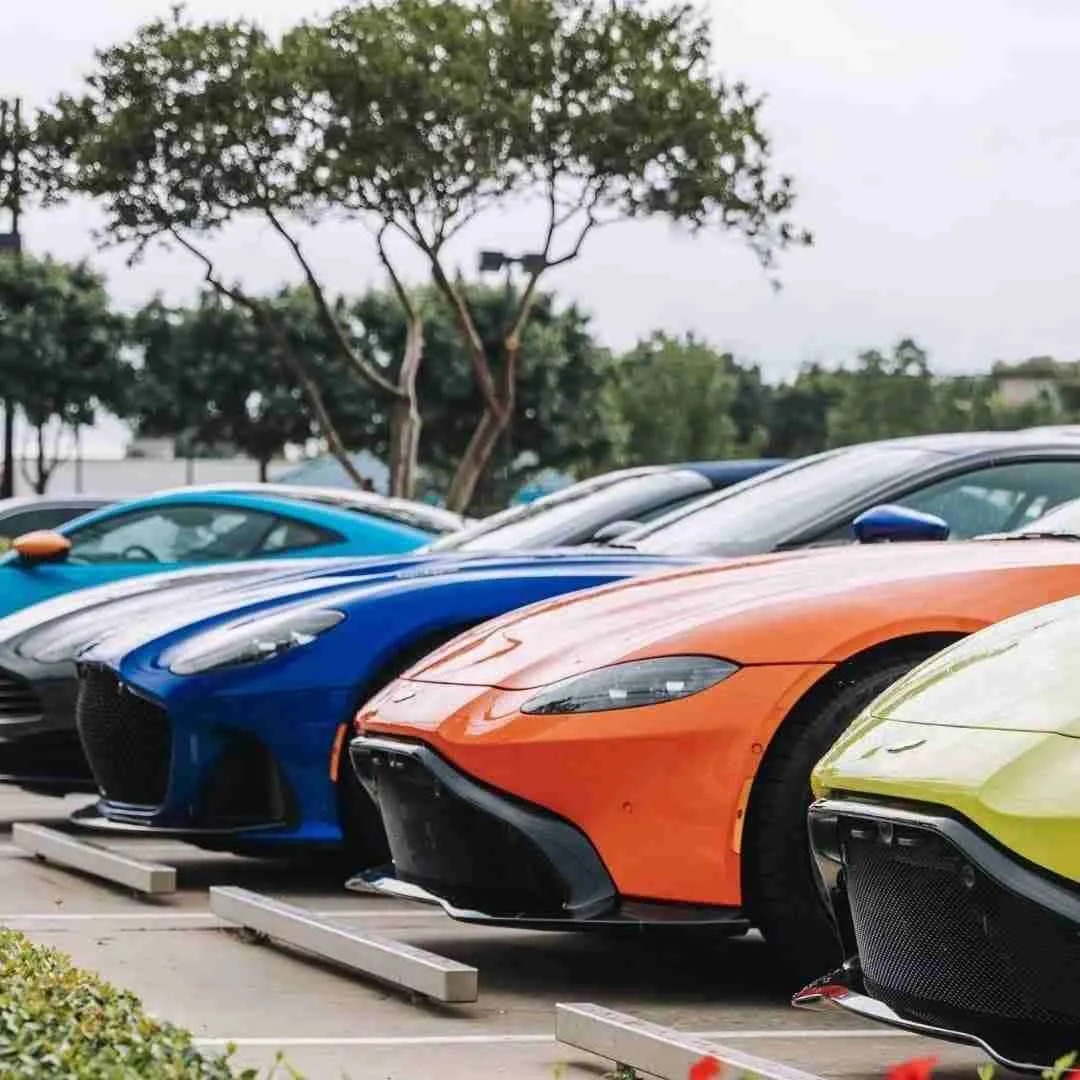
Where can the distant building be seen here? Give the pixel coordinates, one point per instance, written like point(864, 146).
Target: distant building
point(138, 476)
point(1041, 378)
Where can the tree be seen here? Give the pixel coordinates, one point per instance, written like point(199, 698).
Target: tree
point(60, 352)
point(885, 396)
point(415, 117)
point(211, 375)
point(596, 111)
point(562, 417)
point(799, 411)
point(675, 399)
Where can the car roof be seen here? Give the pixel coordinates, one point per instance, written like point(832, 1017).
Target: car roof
point(726, 472)
point(1066, 436)
point(23, 502)
point(404, 511)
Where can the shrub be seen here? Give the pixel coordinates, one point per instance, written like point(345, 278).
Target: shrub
point(60, 1022)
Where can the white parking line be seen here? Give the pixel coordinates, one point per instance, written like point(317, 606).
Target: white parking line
point(198, 916)
point(494, 1040)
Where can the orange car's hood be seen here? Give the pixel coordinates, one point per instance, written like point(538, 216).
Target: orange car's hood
point(778, 601)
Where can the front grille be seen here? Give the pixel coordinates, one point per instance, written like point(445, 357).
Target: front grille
point(18, 699)
point(127, 739)
point(943, 943)
point(442, 843)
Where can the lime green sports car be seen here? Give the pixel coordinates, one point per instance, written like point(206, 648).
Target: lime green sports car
point(946, 834)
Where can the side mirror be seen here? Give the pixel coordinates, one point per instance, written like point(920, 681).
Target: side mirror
point(43, 546)
point(897, 523)
point(613, 530)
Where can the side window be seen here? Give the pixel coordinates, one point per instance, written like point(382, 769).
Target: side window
point(999, 498)
point(172, 534)
point(287, 535)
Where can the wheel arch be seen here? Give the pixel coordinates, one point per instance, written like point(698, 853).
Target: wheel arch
point(834, 680)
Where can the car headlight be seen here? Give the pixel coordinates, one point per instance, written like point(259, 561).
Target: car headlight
point(250, 642)
point(630, 685)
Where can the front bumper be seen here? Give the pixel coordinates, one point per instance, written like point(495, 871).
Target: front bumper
point(210, 766)
point(842, 989)
point(950, 934)
point(488, 857)
point(39, 748)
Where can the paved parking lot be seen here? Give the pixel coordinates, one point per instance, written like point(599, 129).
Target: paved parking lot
point(191, 969)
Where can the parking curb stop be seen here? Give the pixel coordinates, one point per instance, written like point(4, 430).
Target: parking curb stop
point(656, 1050)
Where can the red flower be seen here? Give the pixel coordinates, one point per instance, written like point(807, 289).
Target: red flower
point(705, 1069)
point(915, 1069)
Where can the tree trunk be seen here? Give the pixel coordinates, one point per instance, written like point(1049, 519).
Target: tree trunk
point(485, 438)
point(405, 425)
point(42, 480)
point(405, 419)
point(7, 481)
point(264, 470)
point(475, 460)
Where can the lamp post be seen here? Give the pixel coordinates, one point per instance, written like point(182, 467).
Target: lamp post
point(492, 261)
point(10, 243)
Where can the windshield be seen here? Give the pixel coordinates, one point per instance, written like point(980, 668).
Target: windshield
point(573, 515)
point(1062, 519)
point(756, 516)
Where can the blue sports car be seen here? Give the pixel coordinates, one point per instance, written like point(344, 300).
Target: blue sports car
point(227, 723)
point(38, 744)
point(199, 525)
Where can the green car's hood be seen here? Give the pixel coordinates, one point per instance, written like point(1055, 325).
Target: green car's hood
point(989, 728)
point(1021, 675)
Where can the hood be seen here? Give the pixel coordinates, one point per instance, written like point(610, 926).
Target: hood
point(1019, 675)
point(765, 609)
point(114, 636)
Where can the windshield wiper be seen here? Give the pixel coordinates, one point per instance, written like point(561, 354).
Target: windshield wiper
point(1033, 534)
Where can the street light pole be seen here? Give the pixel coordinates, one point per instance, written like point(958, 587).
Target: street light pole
point(11, 188)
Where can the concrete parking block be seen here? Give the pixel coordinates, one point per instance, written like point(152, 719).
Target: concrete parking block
point(655, 1050)
point(153, 879)
point(381, 958)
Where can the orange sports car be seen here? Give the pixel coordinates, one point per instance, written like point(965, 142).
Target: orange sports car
point(641, 752)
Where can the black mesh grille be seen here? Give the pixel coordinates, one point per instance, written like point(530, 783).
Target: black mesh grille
point(18, 699)
point(942, 942)
point(442, 843)
point(127, 739)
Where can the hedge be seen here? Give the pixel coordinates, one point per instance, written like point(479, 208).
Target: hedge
point(60, 1022)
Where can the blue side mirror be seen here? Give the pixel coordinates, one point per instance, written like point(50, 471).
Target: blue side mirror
point(884, 523)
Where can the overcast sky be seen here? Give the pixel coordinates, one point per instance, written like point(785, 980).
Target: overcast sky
point(934, 145)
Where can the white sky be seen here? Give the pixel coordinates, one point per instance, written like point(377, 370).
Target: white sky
point(935, 146)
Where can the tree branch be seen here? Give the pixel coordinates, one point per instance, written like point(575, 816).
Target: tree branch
point(414, 339)
point(295, 365)
point(366, 370)
point(467, 326)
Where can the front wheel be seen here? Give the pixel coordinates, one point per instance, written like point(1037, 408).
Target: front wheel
point(782, 897)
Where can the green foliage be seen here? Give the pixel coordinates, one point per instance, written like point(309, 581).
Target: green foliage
point(675, 400)
point(59, 1022)
point(561, 418)
point(60, 347)
point(212, 375)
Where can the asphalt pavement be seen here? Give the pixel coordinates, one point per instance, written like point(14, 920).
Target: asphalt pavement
point(190, 968)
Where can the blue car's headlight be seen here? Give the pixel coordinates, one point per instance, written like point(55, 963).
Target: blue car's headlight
point(250, 642)
point(630, 685)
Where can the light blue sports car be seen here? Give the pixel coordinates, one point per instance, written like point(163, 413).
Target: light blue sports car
point(200, 525)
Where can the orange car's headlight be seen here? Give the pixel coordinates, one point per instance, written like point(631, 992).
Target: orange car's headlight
point(631, 685)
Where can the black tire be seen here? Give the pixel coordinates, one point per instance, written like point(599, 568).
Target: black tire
point(782, 898)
